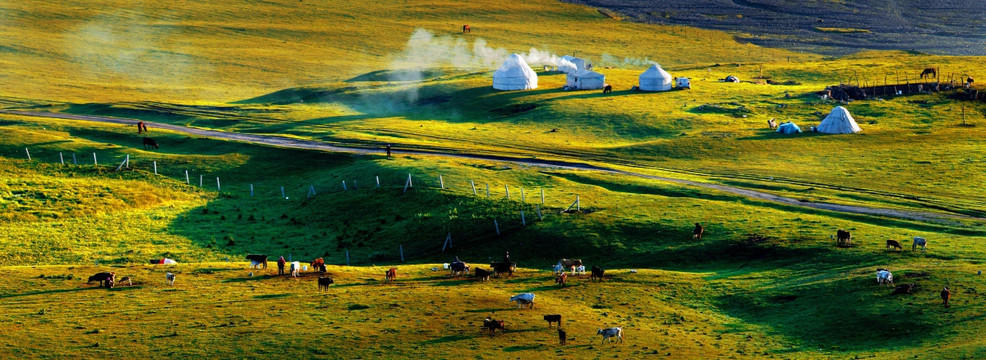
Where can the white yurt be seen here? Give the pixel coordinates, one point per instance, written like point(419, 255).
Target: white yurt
point(571, 64)
point(655, 79)
point(839, 121)
point(515, 74)
point(585, 80)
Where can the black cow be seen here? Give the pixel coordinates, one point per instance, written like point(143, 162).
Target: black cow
point(258, 258)
point(149, 143)
point(490, 325)
point(503, 267)
point(894, 244)
point(104, 278)
point(324, 282)
point(597, 273)
point(482, 274)
point(553, 318)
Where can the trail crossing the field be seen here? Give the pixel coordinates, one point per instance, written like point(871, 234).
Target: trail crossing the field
point(280, 141)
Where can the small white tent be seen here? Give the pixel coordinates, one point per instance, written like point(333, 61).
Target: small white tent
point(515, 74)
point(839, 121)
point(655, 79)
point(585, 80)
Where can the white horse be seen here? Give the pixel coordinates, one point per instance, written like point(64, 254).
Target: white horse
point(920, 241)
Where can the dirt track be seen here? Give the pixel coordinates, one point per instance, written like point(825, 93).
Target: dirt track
point(314, 145)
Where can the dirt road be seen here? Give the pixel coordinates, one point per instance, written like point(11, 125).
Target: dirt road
point(314, 145)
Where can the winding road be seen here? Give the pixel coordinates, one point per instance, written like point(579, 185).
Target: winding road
point(315, 145)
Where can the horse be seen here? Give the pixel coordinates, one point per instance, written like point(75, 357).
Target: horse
point(931, 73)
point(318, 265)
point(149, 143)
point(466, 29)
point(391, 275)
point(607, 89)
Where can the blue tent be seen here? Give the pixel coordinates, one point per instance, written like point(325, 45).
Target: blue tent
point(788, 128)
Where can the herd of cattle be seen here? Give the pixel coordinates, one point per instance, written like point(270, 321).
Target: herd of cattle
point(458, 268)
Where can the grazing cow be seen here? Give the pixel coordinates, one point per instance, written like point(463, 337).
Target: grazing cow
point(561, 336)
point(884, 277)
point(580, 269)
point(458, 268)
point(523, 299)
point(553, 318)
point(903, 289)
point(919, 241)
point(391, 275)
point(170, 278)
point(466, 29)
point(894, 244)
point(843, 237)
point(256, 260)
point(560, 279)
point(597, 273)
point(558, 269)
point(503, 267)
point(772, 124)
point(931, 73)
point(149, 143)
point(570, 264)
point(607, 88)
point(295, 268)
point(612, 332)
point(103, 278)
point(126, 279)
point(490, 326)
point(945, 295)
point(318, 265)
point(324, 282)
point(482, 274)
point(697, 232)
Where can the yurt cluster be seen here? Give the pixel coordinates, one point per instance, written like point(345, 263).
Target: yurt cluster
point(516, 74)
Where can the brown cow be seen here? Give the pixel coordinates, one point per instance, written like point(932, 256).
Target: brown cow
point(894, 244)
point(697, 233)
point(945, 296)
point(490, 326)
point(560, 279)
point(391, 274)
point(466, 29)
point(843, 237)
point(553, 318)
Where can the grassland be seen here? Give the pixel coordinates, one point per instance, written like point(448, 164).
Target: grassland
point(765, 281)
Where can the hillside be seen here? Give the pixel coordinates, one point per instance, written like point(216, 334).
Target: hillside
point(824, 26)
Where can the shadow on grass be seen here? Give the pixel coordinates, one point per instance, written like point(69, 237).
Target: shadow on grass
point(252, 278)
point(272, 296)
point(126, 288)
point(491, 310)
point(521, 348)
point(446, 339)
point(47, 292)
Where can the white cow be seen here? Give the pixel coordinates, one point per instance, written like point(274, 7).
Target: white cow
point(884, 277)
point(558, 268)
point(580, 269)
point(616, 332)
point(170, 278)
point(295, 268)
point(523, 299)
point(920, 241)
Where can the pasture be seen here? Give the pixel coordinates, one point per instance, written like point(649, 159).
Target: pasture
point(764, 281)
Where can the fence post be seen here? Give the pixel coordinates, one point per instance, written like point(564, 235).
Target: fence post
point(539, 213)
point(487, 190)
point(251, 190)
point(522, 220)
point(128, 161)
point(94, 161)
point(200, 179)
point(542, 196)
point(473, 184)
point(497, 226)
point(282, 193)
point(409, 181)
point(402, 252)
point(28, 154)
point(507, 189)
point(218, 187)
point(186, 178)
point(578, 203)
point(378, 180)
point(155, 167)
point(523, 198)
point(347, 257)
point(73, 160)
point(62, 158)
point(344, 188)
point(442, 181)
